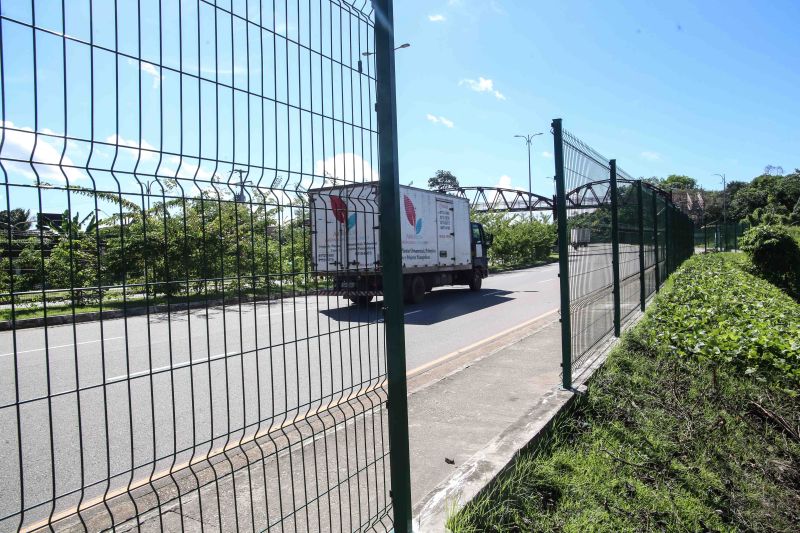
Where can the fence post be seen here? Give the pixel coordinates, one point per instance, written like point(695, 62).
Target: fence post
point(615, 246)
point(667, 239)
point(642, 287)
point(563, 255)
point(705, 238)
point(655, 240)
point(391, 263)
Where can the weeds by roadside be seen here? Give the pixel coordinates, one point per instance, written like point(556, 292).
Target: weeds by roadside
point(692, 424)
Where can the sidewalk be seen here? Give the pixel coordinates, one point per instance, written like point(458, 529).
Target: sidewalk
point(469, 417)
point(459, 407)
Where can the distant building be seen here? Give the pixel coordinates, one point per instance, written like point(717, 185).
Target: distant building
point(692, 202)
point(46, 220)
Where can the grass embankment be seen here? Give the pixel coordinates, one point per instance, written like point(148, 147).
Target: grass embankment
point(691, 425)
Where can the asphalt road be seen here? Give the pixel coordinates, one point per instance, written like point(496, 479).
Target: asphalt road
point(141, 394)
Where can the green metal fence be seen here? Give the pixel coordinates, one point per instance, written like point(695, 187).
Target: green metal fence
point(719, 236)
point(170, 358)
point(618, 239)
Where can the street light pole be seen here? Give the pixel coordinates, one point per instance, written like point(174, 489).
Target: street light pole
point(528, 140)
point(404, 45)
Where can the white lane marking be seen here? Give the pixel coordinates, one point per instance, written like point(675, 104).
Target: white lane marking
point(176, 366)
point(61, 346)
point(546, 280)
point(412, 312)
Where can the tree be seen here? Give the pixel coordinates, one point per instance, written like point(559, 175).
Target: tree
point(442, 181)
point(778, 192)
point(679, 181)
point(794, 218)
point(18, 219)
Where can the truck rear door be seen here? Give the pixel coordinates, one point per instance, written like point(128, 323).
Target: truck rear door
point(445, 236)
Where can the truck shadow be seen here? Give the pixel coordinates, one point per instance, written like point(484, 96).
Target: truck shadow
point(439, 305)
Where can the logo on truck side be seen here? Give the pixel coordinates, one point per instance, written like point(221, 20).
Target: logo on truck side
point(411, 215)
point(339, 208)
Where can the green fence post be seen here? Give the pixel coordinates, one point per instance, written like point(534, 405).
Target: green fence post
point(563, 255)
point(655, 240)
point(705, 238)
point(615, 246)
point(667, 239)
point(642, 288)
point(391, 264)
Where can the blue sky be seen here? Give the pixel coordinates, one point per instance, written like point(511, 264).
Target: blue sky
point(687, 87)
point(694, 88)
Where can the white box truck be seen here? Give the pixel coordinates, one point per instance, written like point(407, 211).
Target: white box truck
point(440, 246)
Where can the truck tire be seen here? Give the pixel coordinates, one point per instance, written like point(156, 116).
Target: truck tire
point(361, 300)
point(416, 291)
point(476, 281)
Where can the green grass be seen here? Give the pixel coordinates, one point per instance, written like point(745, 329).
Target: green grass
point(691, 425)
point(505, 267)
point(113, 301)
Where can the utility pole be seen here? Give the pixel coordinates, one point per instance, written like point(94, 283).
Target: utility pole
point(528, 139)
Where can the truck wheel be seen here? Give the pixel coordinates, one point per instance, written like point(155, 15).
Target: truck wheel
point(417, 290)
point(361, 300)
point(476, 281)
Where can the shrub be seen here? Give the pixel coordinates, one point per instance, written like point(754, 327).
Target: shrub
point(517, 240)
point(775, 255)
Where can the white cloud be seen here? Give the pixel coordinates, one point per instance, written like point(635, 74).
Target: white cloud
point(547, 155)
point(22, 143)
point(650, 156)
point(483, 85)
point(436, 18)
point(186, 170)
point(150, 70)
point(504, 182)
point(344, 167)
point(143, 150)
point(440, 120)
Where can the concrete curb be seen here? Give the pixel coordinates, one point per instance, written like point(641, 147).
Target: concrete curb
point(476, 475)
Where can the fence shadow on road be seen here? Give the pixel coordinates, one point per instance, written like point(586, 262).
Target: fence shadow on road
point(439, 306)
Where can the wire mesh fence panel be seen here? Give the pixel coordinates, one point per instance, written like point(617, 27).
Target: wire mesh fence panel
point(720, 236)
point(628, 236)
point(663, 235)
point(619, 240)
point(171, 355)
point(648, 229)
point(586, 176)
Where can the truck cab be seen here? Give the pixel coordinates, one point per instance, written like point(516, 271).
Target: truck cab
point(480, 243)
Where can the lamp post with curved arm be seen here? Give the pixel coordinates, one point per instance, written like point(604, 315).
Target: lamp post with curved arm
point(724, 211)
point(528, 139)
